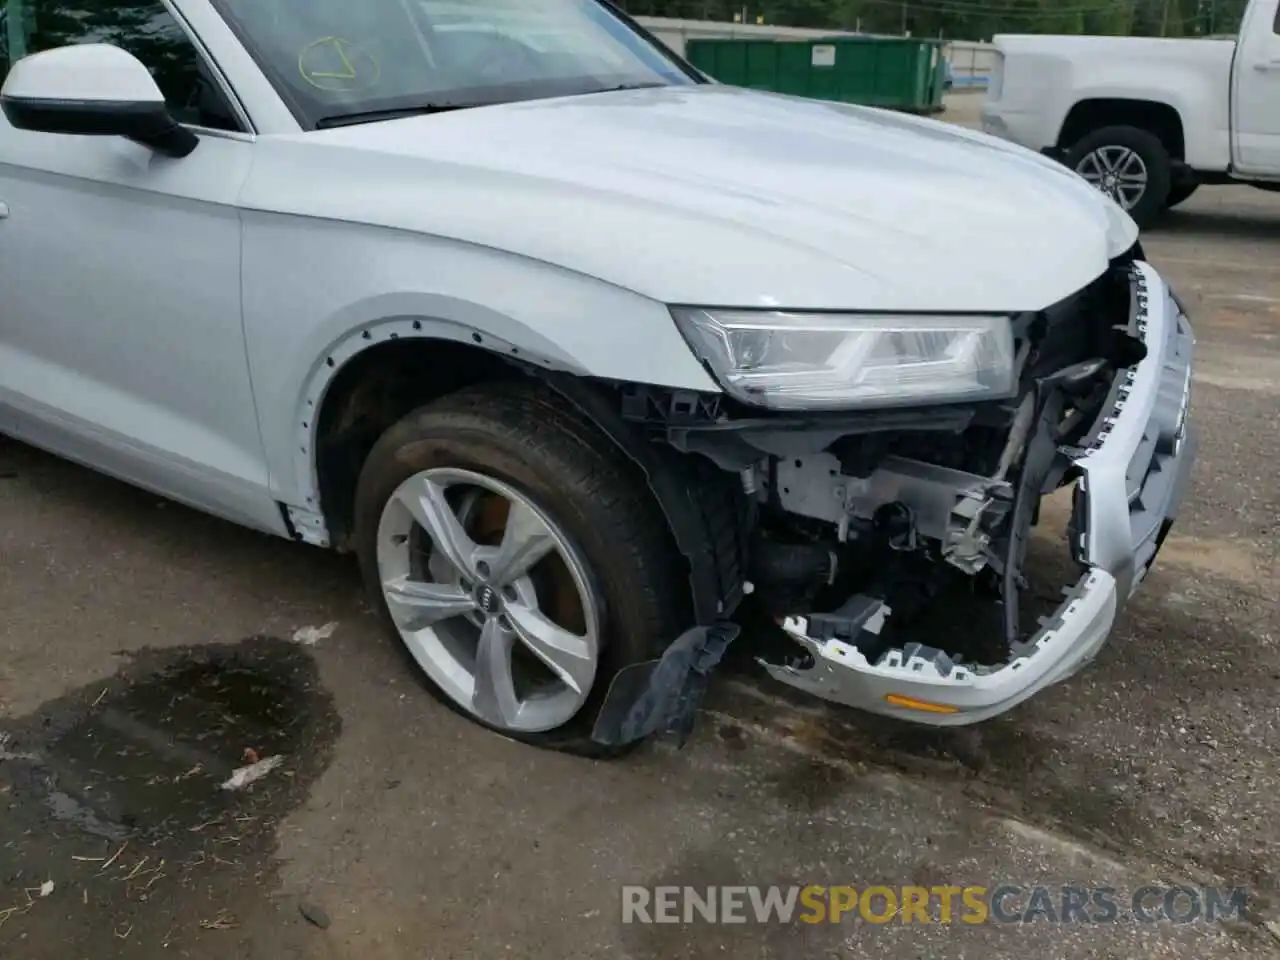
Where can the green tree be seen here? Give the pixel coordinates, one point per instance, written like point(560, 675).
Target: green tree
point(971, 19)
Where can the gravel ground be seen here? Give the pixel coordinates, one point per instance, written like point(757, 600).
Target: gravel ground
point(393, 829)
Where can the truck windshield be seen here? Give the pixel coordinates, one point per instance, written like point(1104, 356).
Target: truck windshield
point(339, 61)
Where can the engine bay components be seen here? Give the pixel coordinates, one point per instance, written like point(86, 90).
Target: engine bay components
point(868, 531)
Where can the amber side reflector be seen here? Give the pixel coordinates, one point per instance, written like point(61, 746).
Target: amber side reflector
point(923, 705)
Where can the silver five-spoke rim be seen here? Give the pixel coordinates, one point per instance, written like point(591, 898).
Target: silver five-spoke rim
point(490, 597)
point(1118, 172)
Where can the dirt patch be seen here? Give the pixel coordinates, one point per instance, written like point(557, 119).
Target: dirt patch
point(1242, 355)
point(1228, 559)
point(1055, 512)
point(126, 823)
point(1230, 380)
point(1224, 558)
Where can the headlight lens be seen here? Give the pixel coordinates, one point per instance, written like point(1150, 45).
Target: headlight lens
point(794, 361)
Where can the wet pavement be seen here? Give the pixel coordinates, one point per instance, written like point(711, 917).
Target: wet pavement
point(147, 653)
point(123, 810)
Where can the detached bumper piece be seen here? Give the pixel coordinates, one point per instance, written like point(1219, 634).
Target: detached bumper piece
point(1132, 473)
point(662, 696)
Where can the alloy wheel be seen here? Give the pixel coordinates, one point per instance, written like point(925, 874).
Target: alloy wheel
point(491, 598)
point(1117, 171)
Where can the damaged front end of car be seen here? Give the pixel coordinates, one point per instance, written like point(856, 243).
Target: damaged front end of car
point(854, 531)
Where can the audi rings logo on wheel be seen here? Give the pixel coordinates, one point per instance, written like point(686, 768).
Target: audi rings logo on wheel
point(487, 599)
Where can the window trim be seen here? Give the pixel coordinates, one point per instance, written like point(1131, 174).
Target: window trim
point(200, 131)
point(216, 71)
point(685, 67)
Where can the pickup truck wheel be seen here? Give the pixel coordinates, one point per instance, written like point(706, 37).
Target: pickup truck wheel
point(1130, 165)
point(518, 558)
point(1180, 192)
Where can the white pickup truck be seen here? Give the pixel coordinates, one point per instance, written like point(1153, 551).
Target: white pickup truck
point(1146, 120)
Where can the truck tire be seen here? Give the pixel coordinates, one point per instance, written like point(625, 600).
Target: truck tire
point(1129, 164)
point(1180, 192)
point(527, 649)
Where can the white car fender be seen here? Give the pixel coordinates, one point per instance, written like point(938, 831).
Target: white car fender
point(311, 305)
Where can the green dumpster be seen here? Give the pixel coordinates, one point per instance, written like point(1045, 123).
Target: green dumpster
point(901, 74)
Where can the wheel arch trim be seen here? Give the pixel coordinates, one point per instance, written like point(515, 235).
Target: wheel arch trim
point(306, 519)
point(716, 568)
point(1112, 107)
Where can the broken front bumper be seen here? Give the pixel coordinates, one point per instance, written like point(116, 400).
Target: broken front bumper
point(1132, 470)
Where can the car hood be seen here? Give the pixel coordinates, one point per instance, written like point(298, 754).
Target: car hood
point(715, 195)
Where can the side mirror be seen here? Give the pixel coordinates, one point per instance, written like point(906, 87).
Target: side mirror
point(92, 89)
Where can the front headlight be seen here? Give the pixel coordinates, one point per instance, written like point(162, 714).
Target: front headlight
point(794, 361)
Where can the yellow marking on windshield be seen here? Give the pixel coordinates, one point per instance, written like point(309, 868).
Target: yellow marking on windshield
point(358, 69)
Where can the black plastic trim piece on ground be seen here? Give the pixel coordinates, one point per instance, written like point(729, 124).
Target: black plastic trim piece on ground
point(662, 696)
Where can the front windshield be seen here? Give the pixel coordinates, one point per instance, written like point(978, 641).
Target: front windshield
point(335, 59)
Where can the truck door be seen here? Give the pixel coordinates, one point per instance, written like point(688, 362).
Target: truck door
point(1255, 120)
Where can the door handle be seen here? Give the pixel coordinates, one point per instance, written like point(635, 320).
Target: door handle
point(1266, 66)
point(4, 211)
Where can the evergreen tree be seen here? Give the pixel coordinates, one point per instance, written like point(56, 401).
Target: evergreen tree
point(969, 19)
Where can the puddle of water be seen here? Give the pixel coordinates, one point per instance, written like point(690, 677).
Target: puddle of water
point(119, 799)
point(150, 759)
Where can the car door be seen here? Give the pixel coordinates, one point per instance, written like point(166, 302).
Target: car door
point(1256, 106)
point(121, 342)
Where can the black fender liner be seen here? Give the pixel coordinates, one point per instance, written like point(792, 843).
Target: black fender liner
point(706, 512)
point(702, 504)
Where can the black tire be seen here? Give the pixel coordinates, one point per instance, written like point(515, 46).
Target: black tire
point(1181, 192)
point(1155, 158)
point(526, 436)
